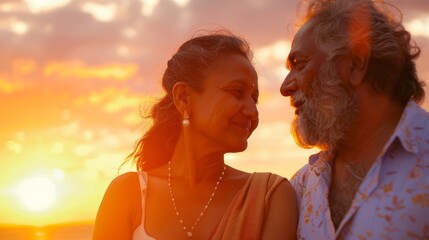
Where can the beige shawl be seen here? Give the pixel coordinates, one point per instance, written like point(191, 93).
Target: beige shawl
point(245, 216)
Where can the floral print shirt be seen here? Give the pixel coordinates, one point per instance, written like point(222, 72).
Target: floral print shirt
point(392, 201)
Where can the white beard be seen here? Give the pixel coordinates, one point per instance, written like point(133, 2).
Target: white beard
point(328, 111)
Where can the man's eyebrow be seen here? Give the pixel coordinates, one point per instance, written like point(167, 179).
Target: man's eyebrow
point(289, 60)
point(293, 55)
point(287, 64)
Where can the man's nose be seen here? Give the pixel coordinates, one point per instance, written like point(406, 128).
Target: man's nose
point(288, 86)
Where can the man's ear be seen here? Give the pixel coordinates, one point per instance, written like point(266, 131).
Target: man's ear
point(352, 68)
point(359, 67)
point(181, 93)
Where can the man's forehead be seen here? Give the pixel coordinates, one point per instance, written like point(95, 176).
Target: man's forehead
point(302, 39)
point(305, 31)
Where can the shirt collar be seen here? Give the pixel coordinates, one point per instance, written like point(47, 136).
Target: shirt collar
point(409, 131)
point(411, 127)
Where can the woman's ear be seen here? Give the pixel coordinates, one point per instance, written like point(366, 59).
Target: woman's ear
point(180, 93)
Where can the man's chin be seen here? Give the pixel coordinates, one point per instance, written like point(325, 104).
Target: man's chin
point(305, 140)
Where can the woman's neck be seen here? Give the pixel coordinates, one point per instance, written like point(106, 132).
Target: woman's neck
point(194, 165)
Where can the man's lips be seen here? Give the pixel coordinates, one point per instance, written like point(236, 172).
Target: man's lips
point(297, 105)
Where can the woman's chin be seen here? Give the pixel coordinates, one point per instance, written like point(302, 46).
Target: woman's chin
point(238, 148)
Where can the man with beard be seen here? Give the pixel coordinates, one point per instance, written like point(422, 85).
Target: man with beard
point(355, 91)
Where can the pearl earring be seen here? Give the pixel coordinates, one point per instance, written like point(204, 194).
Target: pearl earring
point(185, 121)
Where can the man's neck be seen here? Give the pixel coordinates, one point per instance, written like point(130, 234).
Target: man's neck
point(377, 120)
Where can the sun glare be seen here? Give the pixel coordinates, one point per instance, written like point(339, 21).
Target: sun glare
point(148, 7)
point(37, 6)
point(37, 193)
point(419, 26)
point(101, 12)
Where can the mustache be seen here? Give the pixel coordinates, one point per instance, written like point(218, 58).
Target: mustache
point(297, 99)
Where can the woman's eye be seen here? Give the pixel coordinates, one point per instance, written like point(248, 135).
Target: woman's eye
point(238, 93)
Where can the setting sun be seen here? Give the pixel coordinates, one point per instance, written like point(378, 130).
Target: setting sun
point(37, 193)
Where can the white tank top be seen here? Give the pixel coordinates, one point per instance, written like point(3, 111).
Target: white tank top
point(140, 232)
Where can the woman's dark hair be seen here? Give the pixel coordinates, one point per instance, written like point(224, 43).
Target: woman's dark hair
point(361, 27)
point(190, 64)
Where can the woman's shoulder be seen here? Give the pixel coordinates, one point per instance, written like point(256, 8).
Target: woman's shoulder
point(270, 175)
point(125, 178)
point(119, 206)
point(281, 206)
point(276, 186)
point(125, 183)
point(237, 174)
point(271, 178)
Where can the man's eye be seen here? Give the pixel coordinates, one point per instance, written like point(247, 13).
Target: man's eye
point(297, 63)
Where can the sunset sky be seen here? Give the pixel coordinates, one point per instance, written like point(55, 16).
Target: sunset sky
point(75, 74)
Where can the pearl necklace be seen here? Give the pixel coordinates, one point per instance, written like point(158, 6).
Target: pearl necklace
point(173, 200)
point(353, 173)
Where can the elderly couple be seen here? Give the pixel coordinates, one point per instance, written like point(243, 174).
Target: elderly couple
point(355, 90)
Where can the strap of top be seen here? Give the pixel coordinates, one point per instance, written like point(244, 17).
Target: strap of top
point(140, 232)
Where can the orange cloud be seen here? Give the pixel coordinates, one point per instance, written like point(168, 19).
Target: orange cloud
point(24, 66)
point(80, 70)
point(8, 87)
point(112, 100)
point(14, 80)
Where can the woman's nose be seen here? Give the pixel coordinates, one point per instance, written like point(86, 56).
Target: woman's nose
point(288, 86)
point(250, 108)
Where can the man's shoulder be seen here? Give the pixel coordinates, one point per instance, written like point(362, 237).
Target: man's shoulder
point(301, 175)
point(413, 128)
point(414, 114)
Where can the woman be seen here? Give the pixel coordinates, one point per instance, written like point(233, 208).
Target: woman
point(183, 188)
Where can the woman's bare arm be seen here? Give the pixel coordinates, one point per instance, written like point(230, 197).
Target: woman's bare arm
point(117, 215)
